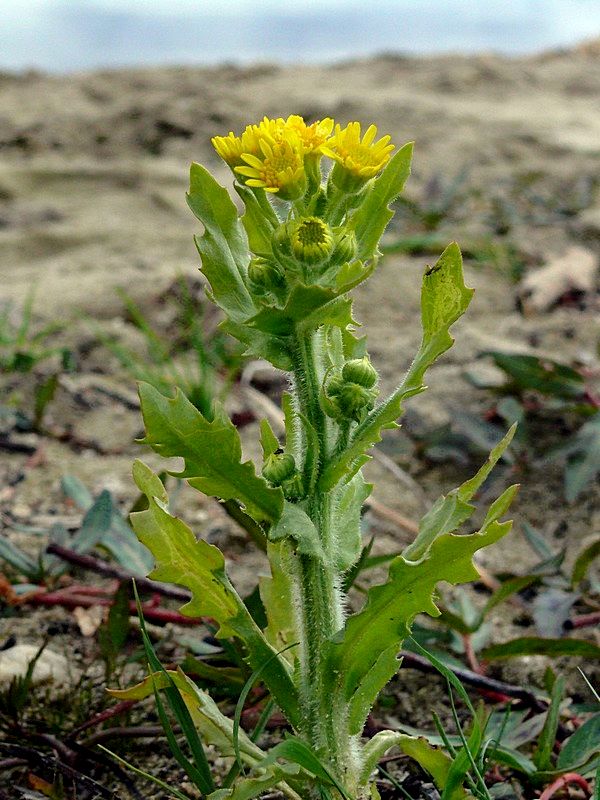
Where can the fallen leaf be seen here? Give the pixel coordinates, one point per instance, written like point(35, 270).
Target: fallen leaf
point(89, 619)
point(574, 271)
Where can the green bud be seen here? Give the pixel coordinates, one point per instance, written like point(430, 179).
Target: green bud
point(345, 399)
point(293, 488)
point(279, 467)
point(345, 246)
point(307, 241)
point(353, 399)
point(360, 371)
point(312, 240)
point(264, 276)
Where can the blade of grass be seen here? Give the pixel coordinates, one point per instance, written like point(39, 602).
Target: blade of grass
point(242, 699)
point(543, 755)
point(157, 781)
point(199, 771)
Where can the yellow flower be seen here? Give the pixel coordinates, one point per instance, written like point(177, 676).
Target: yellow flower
point(312, 136)
point(278, 167)
point(357, 160)
point(231, 147)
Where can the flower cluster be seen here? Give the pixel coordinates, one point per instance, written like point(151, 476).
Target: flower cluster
point(282, 156)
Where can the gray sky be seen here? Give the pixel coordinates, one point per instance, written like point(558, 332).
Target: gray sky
point(65, 35)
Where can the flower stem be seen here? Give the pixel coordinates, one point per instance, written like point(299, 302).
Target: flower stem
point(318, 581)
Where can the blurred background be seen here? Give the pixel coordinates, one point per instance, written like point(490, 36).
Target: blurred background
point(66, 35)
point(103, 105)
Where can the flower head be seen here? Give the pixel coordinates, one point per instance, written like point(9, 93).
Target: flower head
point(357, 160)
point(277, 168)
point(231, 147)
point(313, 136)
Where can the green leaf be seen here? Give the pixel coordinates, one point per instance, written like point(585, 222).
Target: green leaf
point(113, 634)
point(540, 374)
point(346, 521)
point(449, 512)
point(200, 567)
point(579, 748)
point(211, 450)
point(276, 593)
point(543, 753)
point(259, 220)
point(434, 761)
point(249, 788)
point(311, 306)
point(19, 560)
point(507, 589)
point(223, 246)
point(534, 646)
point(295, 524)
point(374, 750)
point(364, 658)
point(96, 524)
point(259, 344)
point(298, 752)
point(583, 561)
point(268, 440)
point(214, 727)
point(351, 274)
point(444, 298)
point(583, 458)
point(371, 218)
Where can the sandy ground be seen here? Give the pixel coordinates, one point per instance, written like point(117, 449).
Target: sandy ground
point(93, 172)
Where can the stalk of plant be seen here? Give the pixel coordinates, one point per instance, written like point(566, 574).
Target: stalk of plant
point(316, 202)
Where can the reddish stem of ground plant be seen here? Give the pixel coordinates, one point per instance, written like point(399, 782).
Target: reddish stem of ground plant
point(111, 571)
point(583, 621)
point(564, 780)
point(103, 716)
point(86, 597)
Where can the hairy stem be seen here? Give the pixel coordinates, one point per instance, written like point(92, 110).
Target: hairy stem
point(318, 582)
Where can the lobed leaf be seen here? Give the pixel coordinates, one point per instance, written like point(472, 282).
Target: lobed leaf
point(214, 727)
point(223, 246)
point(200, 567)
point(259, 344)
point(371, 218)
point(365, 657)
point(311, 306)
point(295, 524)
point(260, 219)
point(444, 298)
point(449, 512)
point(276, 593)
point(211, 450)
point(346, 522)
point(434, 761)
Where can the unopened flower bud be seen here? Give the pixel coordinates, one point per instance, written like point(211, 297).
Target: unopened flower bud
point(293, 488)
point(279, 467)
point(342, 398)
point(264, 275)
point(312, 240)
point(353, 399)
point(360, 371)
point(345, 247)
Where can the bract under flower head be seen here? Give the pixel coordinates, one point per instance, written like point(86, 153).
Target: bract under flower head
point(277, 168)
point(358, 159)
